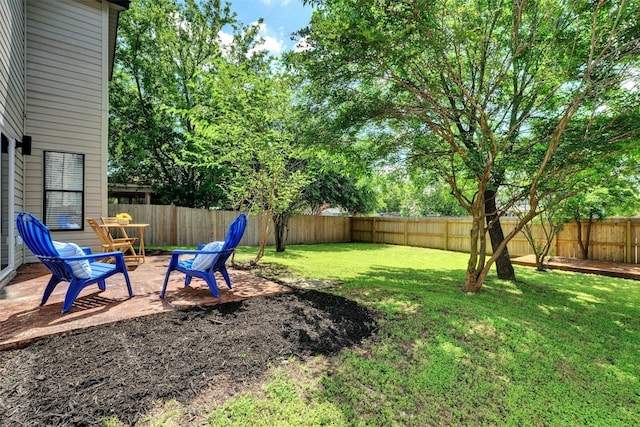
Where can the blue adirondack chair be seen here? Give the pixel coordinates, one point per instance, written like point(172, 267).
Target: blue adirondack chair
point(67, 262)
point(215, 253)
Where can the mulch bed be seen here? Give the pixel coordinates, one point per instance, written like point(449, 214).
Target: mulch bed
point(121, 369)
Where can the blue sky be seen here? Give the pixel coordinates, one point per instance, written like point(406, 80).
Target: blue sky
point(281, 17)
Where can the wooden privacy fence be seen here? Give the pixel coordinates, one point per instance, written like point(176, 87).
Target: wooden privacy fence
point(615, 239)
point(178, 226)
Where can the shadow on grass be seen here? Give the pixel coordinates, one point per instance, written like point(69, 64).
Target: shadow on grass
point(556, 295)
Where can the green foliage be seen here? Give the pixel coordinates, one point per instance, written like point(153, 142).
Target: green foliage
point(336, 189)
point(164, 49)
point(615, 196)
point(416, 195)
point(207, 123)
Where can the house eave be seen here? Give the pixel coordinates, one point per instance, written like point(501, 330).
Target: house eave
point(116, 6)
point(122, 4)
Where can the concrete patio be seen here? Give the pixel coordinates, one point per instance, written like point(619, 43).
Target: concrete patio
point(22, 320)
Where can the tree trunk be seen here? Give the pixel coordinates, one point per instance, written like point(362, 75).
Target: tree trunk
point(588, 238)
point(281, 231)
point(503, 263)
point(477, 251)
point(584, 244)
point(263, 228)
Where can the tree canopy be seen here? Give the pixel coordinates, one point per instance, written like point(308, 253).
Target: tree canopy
point(493, 95)
point(164, 49)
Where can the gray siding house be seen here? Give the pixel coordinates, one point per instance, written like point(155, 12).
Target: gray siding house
point(56, 58)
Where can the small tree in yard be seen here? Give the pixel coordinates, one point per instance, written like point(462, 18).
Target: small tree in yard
point(323, 187)
point(616, 197)
point(252, 129)
point(542, 230)
point(604, 190)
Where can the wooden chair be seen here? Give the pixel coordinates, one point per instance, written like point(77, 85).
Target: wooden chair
point(123, 231)
point(208, 259)
point(110, 244)
point(67, 261)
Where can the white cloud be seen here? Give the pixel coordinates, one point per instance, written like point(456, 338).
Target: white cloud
point(225, 39)
point(270, 2)
point(272, 42)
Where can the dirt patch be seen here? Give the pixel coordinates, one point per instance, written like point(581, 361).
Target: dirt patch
point(84, 377)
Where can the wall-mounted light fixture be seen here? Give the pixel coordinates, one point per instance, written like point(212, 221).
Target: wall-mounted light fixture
point(25, 144)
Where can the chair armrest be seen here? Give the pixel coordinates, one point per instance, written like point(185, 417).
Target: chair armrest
point(175, 254)
point(197, 252)
point(92, 257)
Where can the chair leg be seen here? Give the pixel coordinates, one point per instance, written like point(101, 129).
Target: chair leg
point(50, 287)
point(213, 286)
point(129, 289)
point(172, 265)
point(223, 271)
point(164, 285)
point(72, 294)
point(122, 266)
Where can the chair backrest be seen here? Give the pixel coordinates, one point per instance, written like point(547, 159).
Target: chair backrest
point(101, 232)
point(234, 235)
point(37, 238)
point(35, 235)
point(108, 219)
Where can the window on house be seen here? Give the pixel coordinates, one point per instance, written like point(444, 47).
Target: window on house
point(63, 190)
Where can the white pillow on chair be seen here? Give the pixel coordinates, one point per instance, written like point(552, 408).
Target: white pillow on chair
point(81, 269)
point(203, 262)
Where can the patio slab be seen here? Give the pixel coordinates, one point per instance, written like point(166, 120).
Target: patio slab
point(22, 320)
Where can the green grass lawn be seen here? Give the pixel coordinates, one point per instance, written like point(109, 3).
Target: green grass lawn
point(555, 348)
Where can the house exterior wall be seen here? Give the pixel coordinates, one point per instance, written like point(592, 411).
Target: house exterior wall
point(66, 99)
point(12, 89)
point(12, 71)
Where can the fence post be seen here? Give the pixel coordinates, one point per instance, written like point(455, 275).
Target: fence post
point(446, 235)
point(628, 258)
point(406, 232)
point(373, 231)
point(174, 225)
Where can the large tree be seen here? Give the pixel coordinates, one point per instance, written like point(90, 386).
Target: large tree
point(459, 85)
point(164, 48)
